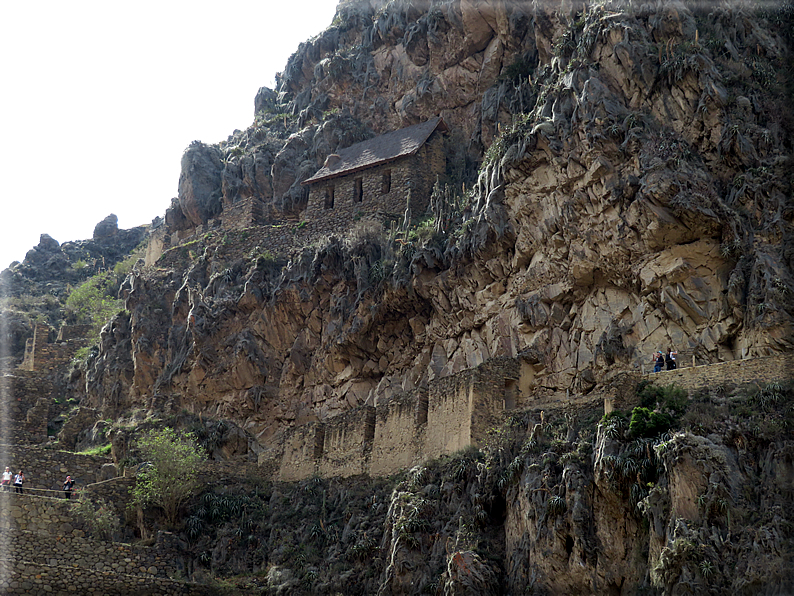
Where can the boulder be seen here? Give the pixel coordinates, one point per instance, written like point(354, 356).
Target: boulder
point(106, 228)
point(200, 183)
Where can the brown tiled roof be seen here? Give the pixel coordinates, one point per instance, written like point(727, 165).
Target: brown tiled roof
point(378, 150)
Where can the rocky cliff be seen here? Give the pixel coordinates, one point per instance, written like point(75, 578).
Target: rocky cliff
point(635, 194)
point(619, 181)
point(37, 288)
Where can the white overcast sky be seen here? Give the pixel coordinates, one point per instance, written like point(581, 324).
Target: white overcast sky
point(99, 99)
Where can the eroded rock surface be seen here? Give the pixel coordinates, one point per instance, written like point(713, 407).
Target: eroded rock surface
point(615, 215)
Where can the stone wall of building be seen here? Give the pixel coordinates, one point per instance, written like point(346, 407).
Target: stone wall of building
point(399, 440)
point(302, 450)
point(459, 410)
point(493, 389)
point(347, 443)
point(243, 214)
point(453, 413)
point(26, 406)
point(43, 356)
point(70, 332)
point(379, 189)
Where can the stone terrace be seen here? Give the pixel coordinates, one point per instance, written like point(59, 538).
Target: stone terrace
point(43, 549)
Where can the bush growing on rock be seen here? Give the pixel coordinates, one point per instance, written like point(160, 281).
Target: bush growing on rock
point(170, 475)
point(99, 518)
point(93, 302)
point(646, 424)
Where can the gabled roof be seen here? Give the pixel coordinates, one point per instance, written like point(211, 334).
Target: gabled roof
point(378, 150)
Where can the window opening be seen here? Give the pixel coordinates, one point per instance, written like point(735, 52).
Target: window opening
point(358, 190)
point(329, 197)
point(386, 185)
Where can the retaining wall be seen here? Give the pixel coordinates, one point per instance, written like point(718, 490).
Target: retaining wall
point(47, 468)
point(85, 553)
point(18, 576)
point(733, 373)
point(43, 515)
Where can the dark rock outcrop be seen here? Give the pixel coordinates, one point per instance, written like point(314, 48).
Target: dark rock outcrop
point(106, 228)
point(200, 183)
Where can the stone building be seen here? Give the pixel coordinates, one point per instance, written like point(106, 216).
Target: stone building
point(378, 175)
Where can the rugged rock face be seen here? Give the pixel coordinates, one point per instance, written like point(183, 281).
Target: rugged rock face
point(634, 193)
point(556, 503)
point(199, 183)
point(615, 215)
point(38, 286)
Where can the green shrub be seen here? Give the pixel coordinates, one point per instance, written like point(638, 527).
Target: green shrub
point(670, 399)
point(94, 301)
point(81, 355)
point(647, 423)
point(520, 69)
point(99, 518)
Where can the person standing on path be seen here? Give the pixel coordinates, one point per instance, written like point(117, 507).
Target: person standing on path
point(6, 481)
point(67, 487)
point(19, 480)
point(659, 362)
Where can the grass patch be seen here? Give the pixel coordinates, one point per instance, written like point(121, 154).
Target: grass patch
point(98, 450)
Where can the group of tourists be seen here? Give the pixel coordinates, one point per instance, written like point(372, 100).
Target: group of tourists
point(662, 360)
point(17, 480)
point(9, 479)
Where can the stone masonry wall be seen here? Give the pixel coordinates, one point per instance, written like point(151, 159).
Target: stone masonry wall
point(34, 344)
point(26, 406)
point(449, 412)
point(34, 563)
point(243, 228)
point(43, 550)
point(115, 492)
point(45, 469)
point(453, 413)
point(347, 443)
point(20, 577)
point(41, 355)
point(732, 373)
point(57, 548)
point(242, 214)
point(399, 433)
point(69, 332)
point(41, 515)
point(416, 172)
point(491, 387)
point(301, 450)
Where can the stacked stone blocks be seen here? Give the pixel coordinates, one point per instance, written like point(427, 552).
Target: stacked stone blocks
point(451, 414)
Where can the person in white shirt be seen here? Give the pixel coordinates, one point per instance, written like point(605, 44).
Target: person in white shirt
point(6, 480)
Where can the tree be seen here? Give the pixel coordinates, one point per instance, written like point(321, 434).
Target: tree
point(170, 473)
